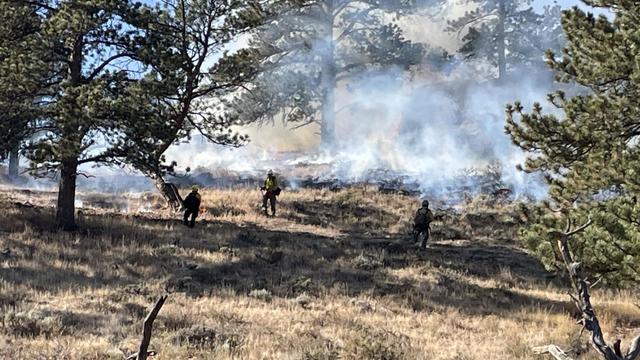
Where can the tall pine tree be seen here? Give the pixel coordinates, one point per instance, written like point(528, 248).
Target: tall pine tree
point(508, 33)
point(190, 66)
point(24, 71)
point(315, 45)
point(123, 82)
point(92, 92)
point(590, 154)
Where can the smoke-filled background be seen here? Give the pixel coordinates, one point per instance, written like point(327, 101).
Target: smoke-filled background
point(433, 128)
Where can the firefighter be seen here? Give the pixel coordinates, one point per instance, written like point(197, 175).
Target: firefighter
point(192, 206)
point(422, 225)
point(270, 191)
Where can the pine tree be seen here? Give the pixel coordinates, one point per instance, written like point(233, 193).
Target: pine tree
point(92, 94)
point(189, 69)
point(590, 155)
point(23, 71)
point(508, 33)
point(315, 45)
point(122, 82)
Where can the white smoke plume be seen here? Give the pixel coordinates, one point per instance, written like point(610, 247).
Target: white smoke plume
point(390, 125)
point(437, 130)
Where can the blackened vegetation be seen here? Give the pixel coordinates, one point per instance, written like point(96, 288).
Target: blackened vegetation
point(451, 191)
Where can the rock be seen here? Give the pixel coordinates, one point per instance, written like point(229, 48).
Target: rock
point(261, 294)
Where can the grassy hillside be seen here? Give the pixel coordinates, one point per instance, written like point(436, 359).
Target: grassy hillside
point(334, 276)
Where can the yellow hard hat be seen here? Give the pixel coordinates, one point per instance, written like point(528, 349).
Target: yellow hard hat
point(194, 188)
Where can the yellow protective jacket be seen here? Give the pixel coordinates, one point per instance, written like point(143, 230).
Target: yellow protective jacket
point(271, 184)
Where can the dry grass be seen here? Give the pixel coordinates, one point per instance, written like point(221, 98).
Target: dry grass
point(332, 277)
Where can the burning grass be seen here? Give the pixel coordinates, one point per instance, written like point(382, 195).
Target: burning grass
point(332, 277)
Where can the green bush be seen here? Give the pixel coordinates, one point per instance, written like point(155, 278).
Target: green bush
point(608, 249)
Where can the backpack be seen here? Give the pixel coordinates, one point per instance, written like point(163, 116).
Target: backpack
point(423, 218)
point(192, 201)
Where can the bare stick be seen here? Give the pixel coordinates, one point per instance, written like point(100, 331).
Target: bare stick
point(581, 228)
point(589, 320)
point(616, 347)
point(147, 327)
point(634, 350)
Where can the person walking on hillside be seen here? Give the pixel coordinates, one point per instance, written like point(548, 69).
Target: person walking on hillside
point(422, 225)
point(192, 206)
point(270, 191)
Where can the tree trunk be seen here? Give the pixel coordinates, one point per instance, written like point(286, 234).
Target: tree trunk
point(501, 38)
point(147, 328)
point(582, 301)
point(71, 143)
point(65, 213)
point(169, 191)
point(327, 125)
point(14, 163)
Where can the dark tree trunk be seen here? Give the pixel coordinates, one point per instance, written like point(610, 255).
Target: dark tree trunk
point(327, 125)
point(65, 214)
point(14, 163)
point(327, 128)
point(71, 142)
point(169, 191)
point(502, 52)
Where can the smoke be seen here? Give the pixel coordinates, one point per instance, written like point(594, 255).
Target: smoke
point(440, 137)
point(438, 130)
point(435, 134)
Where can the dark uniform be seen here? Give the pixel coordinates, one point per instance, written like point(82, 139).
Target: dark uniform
point(422, 224)
point(192, 206)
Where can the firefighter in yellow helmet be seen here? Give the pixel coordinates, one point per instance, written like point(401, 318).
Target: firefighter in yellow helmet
point(192, 206)
point(270, 191)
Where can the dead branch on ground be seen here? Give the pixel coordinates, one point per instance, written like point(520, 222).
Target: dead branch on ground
point(589, 321)
point(553, 350)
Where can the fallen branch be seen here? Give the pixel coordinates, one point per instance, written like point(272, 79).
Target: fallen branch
point(582, 300)
point(147, 327)
point(553, 350)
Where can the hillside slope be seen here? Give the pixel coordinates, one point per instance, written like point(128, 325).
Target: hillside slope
point(334, 276)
